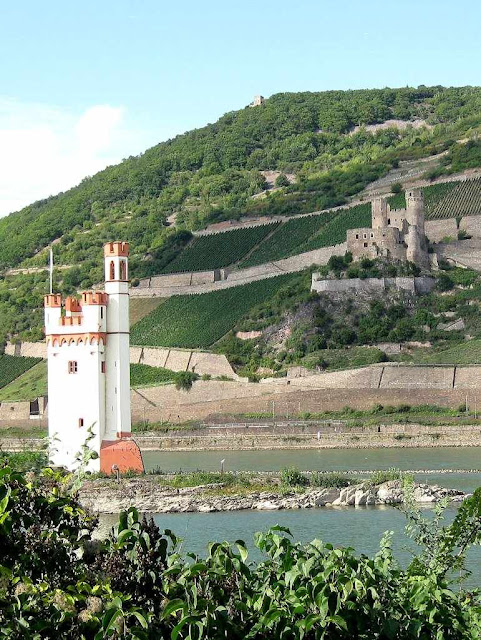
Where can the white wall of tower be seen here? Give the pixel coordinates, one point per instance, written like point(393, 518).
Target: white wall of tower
point(118, 420)
point(88, 365)
point(76, 401)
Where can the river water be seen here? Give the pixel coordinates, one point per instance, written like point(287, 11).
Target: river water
point(361, 527)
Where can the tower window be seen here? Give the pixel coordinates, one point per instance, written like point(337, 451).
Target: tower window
point(389, 220)
point(72, 366)
point(365, 244)
point(112, 270)
point(80, 422)
point(101, 313)
point(357, 236)
point(102, 366)
point(123, 273)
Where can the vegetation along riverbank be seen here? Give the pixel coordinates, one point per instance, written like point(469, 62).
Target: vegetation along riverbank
point(139, 583)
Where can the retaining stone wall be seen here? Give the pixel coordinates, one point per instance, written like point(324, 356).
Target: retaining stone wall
point(436, 230)
point(164, 286)
point(230, 398)
point(414, 285)
point(176, 359)
point(472, 226)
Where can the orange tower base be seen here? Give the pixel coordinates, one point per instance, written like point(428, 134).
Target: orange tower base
point(121, 455)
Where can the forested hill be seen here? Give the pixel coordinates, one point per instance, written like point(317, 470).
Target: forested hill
point(317, 141)
point(212, 173)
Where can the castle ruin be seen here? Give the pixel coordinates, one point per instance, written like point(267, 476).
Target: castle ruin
point(396, 234)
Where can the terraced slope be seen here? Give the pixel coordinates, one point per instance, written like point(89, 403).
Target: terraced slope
point(453, 199)
point(200, 320)
point(334, 232)
point(11, 367)
point(447, 199)
point(219, 250)
point(288, 239)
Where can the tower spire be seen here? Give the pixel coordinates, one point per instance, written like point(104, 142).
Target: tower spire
point(51, 270)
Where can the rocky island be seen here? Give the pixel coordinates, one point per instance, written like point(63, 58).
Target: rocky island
point(106, 496)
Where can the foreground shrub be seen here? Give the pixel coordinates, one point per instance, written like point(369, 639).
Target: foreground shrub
point(56, 582)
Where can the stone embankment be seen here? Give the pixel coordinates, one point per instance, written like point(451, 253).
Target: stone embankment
point(252, 439)
point(145, 494)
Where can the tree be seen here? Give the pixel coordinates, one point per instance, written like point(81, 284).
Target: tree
point(282, 180)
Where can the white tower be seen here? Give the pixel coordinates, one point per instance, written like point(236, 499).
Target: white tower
point(89, 372)
point(117, 424)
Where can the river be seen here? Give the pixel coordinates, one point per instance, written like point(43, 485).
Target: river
point(361, 527)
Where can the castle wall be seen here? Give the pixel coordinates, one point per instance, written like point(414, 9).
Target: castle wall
point(373, 243)
point(422, 284)
point(437, 230)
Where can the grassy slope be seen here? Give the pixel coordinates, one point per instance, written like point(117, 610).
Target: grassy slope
point(141, 307)
point(200, 320)
point(31, 384)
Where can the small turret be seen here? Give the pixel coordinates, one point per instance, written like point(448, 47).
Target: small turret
point(379, 213)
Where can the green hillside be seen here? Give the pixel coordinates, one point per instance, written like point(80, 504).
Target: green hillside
point(210, 174)
point(200, 320)
point(11, 367)
point(219, 249)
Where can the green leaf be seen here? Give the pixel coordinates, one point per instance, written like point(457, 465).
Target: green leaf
point(172, 606)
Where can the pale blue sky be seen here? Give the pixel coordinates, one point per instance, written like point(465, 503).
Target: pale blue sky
point(86, 83)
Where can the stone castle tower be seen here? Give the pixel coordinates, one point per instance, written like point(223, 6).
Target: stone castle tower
point(397, 234)
point(89, 371)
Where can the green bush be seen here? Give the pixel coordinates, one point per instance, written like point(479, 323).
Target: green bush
point(292, 477)
point(396, 187)
point(379, 477)
point(185, 379)
point(57, 582)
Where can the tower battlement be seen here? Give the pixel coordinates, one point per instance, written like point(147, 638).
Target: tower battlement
point(89, 371)
point(116, 249)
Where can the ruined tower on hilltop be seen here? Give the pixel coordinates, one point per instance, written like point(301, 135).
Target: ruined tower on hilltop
point(397, 234)
point(89, 372)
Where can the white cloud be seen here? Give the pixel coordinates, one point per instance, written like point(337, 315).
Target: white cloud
point(45, 149)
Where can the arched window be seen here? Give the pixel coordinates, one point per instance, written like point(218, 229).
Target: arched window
point(123, 274)
point(112, 270)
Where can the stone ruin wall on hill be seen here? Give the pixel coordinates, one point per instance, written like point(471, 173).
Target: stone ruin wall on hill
point(423, 284)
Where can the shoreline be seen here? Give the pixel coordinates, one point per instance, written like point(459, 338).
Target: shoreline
point(106, 496)
point(250, 438)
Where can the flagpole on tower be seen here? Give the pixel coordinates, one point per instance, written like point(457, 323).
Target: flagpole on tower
point(51, 270)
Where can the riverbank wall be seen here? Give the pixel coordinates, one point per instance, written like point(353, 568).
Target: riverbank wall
point(251, 438)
